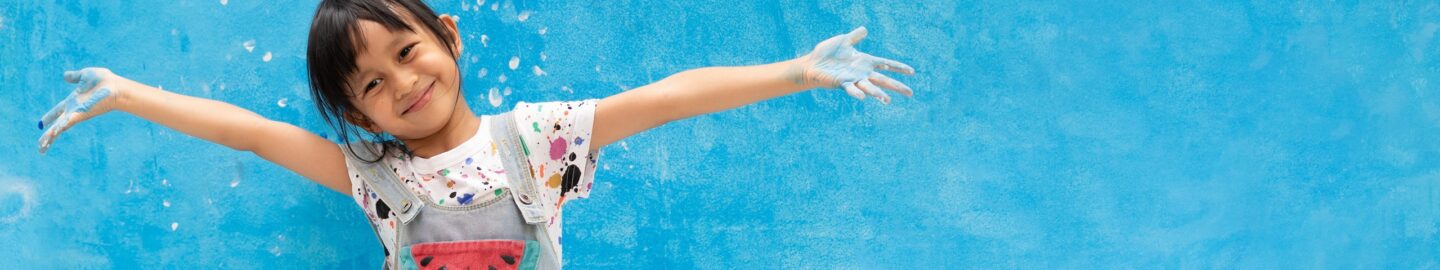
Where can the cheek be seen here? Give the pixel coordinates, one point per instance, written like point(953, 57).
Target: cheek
point(441, 65)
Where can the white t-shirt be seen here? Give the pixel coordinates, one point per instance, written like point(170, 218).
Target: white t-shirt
point(556, 136)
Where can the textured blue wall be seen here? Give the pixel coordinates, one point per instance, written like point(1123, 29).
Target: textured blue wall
point(1066, 134)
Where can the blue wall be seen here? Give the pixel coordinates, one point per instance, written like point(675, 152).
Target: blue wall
point(1067, 134)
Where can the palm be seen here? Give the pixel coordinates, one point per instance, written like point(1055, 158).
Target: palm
point(836, 63)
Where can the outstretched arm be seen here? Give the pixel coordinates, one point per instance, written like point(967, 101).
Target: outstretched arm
point(99, 91)
point(833, 64)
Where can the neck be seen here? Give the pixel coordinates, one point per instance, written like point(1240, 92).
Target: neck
point(459, 128)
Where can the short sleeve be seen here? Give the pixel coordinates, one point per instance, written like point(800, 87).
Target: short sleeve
point(556, 136)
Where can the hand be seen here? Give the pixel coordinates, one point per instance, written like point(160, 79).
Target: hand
point(95, 92)
point(836, 63)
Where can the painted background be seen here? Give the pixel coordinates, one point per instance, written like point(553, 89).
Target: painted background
point(1065, 134)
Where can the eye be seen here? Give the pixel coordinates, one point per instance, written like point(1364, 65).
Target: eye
point(406, 51)
point(371, 85)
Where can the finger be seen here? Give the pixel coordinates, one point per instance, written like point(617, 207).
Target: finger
point(881, 80)
point(86, 78)
point(73, 76)
point(60, 126)
point(892, 65)
point(851, 89)
point(57, 110)
point(858, 34)
point(873, 90)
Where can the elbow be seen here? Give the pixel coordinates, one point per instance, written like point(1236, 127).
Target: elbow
point(669, 102)
point(245, 139)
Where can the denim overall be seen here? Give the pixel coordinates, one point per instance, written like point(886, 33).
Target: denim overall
point(506, 232)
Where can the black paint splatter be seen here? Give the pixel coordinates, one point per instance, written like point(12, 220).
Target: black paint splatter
point(426, 260)
point(509, 259)
point(381, 209)
point(570, 180)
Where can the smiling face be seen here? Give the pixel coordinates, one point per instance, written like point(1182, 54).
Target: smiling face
point(406, 84)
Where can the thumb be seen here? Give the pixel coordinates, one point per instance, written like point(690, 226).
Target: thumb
point(858, 34)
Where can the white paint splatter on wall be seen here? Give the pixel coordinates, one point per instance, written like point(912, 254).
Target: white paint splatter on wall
point(17, 188)
point(249, 45)
point(514, 62)
point(267, 57)
point(495, 97)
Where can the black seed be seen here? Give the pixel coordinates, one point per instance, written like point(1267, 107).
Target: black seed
point(509, 259)
point(442, 267)
point(426, 261)
point(572, 156)
point(452, 194)
point(492, 267)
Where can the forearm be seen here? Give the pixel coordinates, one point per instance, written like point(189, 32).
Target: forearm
point(206, 119)
point(712, 89)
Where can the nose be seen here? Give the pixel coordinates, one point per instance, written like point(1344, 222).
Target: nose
point(406, 82)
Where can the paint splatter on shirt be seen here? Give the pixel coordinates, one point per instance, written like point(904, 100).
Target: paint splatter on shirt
point(556, 137)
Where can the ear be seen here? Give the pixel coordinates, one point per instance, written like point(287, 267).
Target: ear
point(359, 120)
point(449, 23)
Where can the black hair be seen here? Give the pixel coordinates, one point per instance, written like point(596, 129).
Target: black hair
point(332, 49)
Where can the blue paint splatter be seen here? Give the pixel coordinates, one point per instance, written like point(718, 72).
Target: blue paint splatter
point(465, 199)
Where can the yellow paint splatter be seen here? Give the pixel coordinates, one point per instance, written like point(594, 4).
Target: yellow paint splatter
point(554, 182)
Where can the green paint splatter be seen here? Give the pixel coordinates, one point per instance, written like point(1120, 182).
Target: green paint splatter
point(525, 146)
point(535, 125)
point(442, 201)
point(445, 172)
point(499, 191)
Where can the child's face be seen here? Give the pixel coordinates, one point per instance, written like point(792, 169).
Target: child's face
point(406, 83)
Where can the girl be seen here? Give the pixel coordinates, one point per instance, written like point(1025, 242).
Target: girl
point(389, 68)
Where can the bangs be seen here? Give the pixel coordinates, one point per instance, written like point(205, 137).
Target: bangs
point(335, 39)
point(335, 42)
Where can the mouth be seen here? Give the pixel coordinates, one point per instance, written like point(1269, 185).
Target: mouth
point(420, 102)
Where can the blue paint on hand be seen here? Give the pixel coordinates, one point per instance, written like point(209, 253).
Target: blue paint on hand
point(836, 63)
point(99, 95)
point(77, 106)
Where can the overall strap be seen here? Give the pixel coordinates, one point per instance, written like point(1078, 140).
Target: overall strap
point(381, 179)
point(513, 154)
